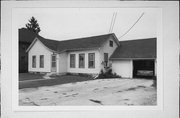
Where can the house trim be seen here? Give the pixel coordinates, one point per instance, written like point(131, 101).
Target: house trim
point(78, 49)
point(75, 49)
point(130, 58)
point(34, 41)
point(116, 39)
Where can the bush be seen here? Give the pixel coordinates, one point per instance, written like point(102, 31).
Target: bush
point(108, 74)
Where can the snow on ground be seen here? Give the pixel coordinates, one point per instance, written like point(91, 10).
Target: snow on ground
point(95, 92)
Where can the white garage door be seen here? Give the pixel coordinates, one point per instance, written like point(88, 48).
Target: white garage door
point(122, 68)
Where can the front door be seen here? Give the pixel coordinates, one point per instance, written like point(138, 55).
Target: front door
point(105, 59)
point(53, 63)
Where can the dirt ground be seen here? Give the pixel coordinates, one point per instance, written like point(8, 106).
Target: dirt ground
point(94, 92)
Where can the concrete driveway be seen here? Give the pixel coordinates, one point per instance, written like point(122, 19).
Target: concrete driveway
point(94, 92)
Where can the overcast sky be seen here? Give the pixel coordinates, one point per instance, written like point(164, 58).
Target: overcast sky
point(69, 23)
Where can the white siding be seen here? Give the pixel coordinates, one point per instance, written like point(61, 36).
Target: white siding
point(86, 69)
point(107, 49)
point(124, 68)
point(37, 50)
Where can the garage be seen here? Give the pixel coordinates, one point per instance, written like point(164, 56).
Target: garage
point(143, 68)
point(135, 58)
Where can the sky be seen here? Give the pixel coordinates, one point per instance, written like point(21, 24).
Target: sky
point(71, 23)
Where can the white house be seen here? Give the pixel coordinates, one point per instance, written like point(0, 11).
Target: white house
point(88, 55)
point(84, 55)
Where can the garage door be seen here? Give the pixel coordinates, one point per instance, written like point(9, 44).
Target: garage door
point(143, 68)
point(122, 68)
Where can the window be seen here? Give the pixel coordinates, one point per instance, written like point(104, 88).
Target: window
point(105, 59)
point(53, 61)
point(34, 61)
point(81, 60)
point(91, 58)
point(72, 60)
point(41, 61)
point(111, 43)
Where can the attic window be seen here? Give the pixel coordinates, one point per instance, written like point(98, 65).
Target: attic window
point(111, 43)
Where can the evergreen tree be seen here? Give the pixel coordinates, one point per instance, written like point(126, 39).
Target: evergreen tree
point(33, 25)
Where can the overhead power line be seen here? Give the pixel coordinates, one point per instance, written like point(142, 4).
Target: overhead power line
point(132, 26)
point(112, 22)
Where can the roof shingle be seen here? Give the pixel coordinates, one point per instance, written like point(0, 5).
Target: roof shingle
point(141, 48)
point(76, 44)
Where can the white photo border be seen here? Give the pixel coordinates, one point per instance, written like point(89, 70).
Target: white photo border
point(13, 61)
point(15, 89)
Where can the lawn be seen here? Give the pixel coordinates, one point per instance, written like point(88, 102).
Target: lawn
point(95, 92)
point(37, 80)
point(30, 76)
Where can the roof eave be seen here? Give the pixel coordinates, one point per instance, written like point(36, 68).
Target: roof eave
point(77, 49)
point(35, 39)
point(42, 44)
point(116, 39)
point(132, 58)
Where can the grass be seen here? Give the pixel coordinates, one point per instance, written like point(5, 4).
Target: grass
point(56, 80)
point(30, 76)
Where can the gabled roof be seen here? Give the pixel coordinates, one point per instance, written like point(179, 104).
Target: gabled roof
point(26, 35)
point(132, 49)
point(76, 44)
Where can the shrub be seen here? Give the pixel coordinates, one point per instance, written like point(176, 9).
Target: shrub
point(108, 74)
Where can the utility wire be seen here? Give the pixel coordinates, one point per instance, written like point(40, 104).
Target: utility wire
point(112, 22)
point(132, 25)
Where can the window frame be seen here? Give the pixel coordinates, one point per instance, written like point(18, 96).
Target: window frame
point(111, 43)
point(41, 64)
point(82, 66)
point(33, 61)
point(53, 61)
point(70, 62)
point(91, 60)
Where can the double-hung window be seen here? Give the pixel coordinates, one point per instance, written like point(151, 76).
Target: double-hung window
point(53, 61)
point(34, 61)
point(41, 61)
point(91, 60)
point(72, 60)
point(81, 60)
